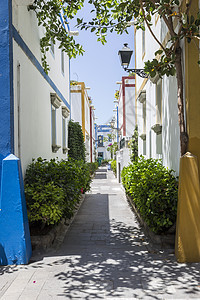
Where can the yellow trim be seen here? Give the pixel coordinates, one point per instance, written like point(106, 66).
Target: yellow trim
point(143, 55)
point(75, 91)
point(83, 106)
point(87, 132)
point(141, 87)
point(156, 18)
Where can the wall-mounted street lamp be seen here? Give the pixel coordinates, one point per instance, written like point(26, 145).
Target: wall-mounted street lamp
point(125, 57)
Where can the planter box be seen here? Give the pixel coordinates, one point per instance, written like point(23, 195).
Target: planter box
point(163, 241)
point(56, 234)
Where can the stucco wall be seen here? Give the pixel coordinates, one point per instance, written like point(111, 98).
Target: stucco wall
point(32, 89)
point(164, 146)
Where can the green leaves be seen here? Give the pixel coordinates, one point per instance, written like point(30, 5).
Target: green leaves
point(114, 166)
point(134, 145)
point(154, 190)
point(48, 13)
point(76, 141)
point(53, 189)
point(164, 65)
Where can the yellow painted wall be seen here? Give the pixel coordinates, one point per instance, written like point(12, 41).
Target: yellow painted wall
point(192, 92)
point(187, 246)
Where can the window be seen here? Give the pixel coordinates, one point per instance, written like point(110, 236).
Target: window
point(53, 125)
point(65, 115)
point(62, 62)
point(52, 48)
point(64, 132)
point(55, 104)
point(100, 141)
point(100, 154)
point(159, 102)
point(144, 116)
point(143, 42)
point(144, 127)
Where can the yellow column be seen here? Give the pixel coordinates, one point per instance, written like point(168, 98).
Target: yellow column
point(83, 106)
point(192, 90)
point(187, 244)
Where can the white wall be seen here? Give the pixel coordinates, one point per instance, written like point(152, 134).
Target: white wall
point(32, 102)
point(76, 107)
point(107, 154)
point(164, 146)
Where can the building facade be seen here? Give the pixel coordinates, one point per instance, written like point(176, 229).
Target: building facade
point(124, 121)
point(35, 106)
point(82, 111)
point(157, 112)
point(159, 133)
point(104, 140)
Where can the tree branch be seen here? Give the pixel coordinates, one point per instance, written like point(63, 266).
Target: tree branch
point(149, 27)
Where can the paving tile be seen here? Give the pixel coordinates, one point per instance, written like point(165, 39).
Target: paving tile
point(105, 255)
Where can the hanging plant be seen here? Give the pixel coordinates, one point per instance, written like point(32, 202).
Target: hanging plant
point(117, 95)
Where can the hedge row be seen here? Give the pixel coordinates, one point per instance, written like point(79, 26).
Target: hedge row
point(154, 191)
point(53, 189)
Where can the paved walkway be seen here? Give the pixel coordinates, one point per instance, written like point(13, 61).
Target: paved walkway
point(105, 255)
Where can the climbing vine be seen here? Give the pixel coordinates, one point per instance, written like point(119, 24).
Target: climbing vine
point(76, 142)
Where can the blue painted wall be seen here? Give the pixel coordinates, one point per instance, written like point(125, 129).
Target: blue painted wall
point(6, 79)
point(15, 243)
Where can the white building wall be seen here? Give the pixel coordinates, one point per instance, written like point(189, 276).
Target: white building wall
point(76, 107)
point(130, 108)
point(32, 102)
point(164, 146)
point(106, 153)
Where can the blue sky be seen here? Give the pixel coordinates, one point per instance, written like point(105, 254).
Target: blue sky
point(100, 67)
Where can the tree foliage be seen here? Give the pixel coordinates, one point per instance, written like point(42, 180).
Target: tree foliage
point(52, 15)
point(112, 15)
point(134, 144)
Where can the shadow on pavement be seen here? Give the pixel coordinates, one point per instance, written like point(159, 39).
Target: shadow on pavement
point(103, 258)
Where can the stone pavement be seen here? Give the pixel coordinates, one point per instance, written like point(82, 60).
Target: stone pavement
point(105, 255)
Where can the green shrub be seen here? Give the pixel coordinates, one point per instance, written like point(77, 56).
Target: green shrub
point(104, 162)
point(93, 166)
point(114, 166)
point(65, 180)
point(134, 145)
point(45, 203)
point(154, 190)
point(76, 141)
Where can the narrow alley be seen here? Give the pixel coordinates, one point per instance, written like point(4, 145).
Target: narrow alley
point(105, 255)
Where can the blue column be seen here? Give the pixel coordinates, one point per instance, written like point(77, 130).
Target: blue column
point(15, 243)
point(6, 80)
point(117, 126)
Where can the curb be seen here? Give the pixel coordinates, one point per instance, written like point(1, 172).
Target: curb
point(164, 241)
point(56, 235)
